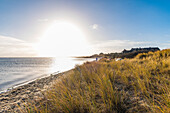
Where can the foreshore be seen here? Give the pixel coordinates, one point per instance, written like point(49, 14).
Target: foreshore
point(19, 96)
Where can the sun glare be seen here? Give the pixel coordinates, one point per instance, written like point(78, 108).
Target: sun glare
point(62, 39)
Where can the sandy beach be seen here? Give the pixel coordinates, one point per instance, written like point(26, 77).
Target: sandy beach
point(19, 96)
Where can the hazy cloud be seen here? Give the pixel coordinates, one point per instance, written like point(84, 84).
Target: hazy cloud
point(166, 45)
point(43, 20)
point(139, 34)
point(94, 26)
point(118, 45)
point(14, 47)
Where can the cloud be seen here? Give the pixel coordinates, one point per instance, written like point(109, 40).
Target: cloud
point(139, 34)
point(94, 26)
point(109, 46)
point(165, 45)
point(43, 20)
point(12, 47)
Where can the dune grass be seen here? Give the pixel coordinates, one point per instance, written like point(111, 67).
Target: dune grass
point(141, 84)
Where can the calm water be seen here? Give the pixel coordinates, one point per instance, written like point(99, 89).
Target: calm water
point(15, 71)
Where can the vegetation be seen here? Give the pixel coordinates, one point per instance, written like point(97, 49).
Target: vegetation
point(125, 53)
point(141, 84)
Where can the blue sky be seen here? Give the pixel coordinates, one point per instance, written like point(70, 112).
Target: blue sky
point(109, 25)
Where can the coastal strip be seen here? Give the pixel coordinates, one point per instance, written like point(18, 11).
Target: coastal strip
point(19, 96)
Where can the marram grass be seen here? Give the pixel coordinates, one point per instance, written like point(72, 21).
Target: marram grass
point(141, 84)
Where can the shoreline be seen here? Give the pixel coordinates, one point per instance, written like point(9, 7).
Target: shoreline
point(31, 90)
point(27, 82)
point(21, 80)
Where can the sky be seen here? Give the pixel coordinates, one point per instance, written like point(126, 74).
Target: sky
point(108, 25)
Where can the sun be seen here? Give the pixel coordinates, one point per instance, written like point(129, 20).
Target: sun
point(62, 39)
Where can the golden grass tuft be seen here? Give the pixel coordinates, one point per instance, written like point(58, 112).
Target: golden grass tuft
point(141, 84)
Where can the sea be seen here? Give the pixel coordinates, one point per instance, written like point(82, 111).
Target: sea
point(18, 71)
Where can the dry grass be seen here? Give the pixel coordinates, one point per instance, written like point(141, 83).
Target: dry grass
point(141, 84)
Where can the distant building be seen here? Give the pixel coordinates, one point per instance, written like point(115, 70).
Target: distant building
point(141, 49)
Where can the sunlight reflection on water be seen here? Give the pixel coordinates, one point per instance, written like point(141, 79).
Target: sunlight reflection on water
point(63, 64)
point(14, 71)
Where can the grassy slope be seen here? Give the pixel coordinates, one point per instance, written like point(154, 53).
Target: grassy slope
point(141, 84)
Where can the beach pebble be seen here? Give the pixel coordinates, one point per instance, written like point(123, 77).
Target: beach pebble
point(4, 99)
